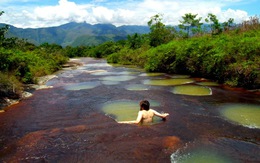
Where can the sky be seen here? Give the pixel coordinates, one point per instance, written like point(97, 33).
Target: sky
point(49, 13)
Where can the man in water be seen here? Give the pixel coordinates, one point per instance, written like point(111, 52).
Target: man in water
point(145, 115)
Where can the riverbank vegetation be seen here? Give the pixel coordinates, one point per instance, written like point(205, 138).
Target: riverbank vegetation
point(22, 62)
point(226, 52)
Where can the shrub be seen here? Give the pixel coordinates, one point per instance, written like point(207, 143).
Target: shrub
point(9, 86)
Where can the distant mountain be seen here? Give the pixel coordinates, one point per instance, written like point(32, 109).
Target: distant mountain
point(76, 34)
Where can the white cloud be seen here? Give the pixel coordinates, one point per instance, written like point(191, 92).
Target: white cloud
point(64, 11)
point(130, 12)
point(102, 14)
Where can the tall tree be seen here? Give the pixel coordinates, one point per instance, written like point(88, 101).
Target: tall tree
point(227, 25)
point(159, 33)
point(190, 23)
point(214, 24)
point(3, 30)
point(134, 41)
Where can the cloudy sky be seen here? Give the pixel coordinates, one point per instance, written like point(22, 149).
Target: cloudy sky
point(46, 13)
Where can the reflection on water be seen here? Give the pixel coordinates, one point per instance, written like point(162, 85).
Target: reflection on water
point(243, 114)
point(124, 110)
point(118, 78)
point(110, 82)
point(101, 73)
point(200, 156)
point(83, 85)
point(193, 90)
point(95, 65)
point(152, 74)
point(136, 87)
point(167, 82)
point(127, 73)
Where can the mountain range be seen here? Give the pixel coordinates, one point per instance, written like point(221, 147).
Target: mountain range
point(76, 34)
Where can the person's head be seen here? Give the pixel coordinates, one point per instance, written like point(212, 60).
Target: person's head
point(144, 105)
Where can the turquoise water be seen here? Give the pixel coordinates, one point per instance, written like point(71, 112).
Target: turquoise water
point(83, 85)
point(167, 82)
point(110, 82)
point(137, 87)
point(118, 78)
point(200, 156)
point(125, 110)
point(247, 115)
point(193, 90)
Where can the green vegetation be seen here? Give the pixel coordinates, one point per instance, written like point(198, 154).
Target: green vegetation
point(160, 34)
point(228, 59)
point(26, 65)
point(225, 52)
point(190, 23)
point(22, 62)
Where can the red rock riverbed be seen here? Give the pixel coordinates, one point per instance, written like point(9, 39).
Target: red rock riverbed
point(66, 123)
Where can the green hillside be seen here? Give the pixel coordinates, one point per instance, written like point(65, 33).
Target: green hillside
point(76, 34)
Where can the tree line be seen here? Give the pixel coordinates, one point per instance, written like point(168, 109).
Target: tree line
point(225, 52)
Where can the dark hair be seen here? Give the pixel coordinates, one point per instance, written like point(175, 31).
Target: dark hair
point(144, 105)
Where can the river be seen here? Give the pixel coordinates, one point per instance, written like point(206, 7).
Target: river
point(74, 120)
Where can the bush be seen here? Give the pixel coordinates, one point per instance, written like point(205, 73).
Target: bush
point(231, 58)
point(9, 86)
point(26, 66)
point(128, 56)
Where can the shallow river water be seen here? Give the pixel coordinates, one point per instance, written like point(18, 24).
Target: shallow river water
point(76, 119)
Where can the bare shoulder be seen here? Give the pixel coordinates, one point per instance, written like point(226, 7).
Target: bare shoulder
point(140, 112)
point(152, 110)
